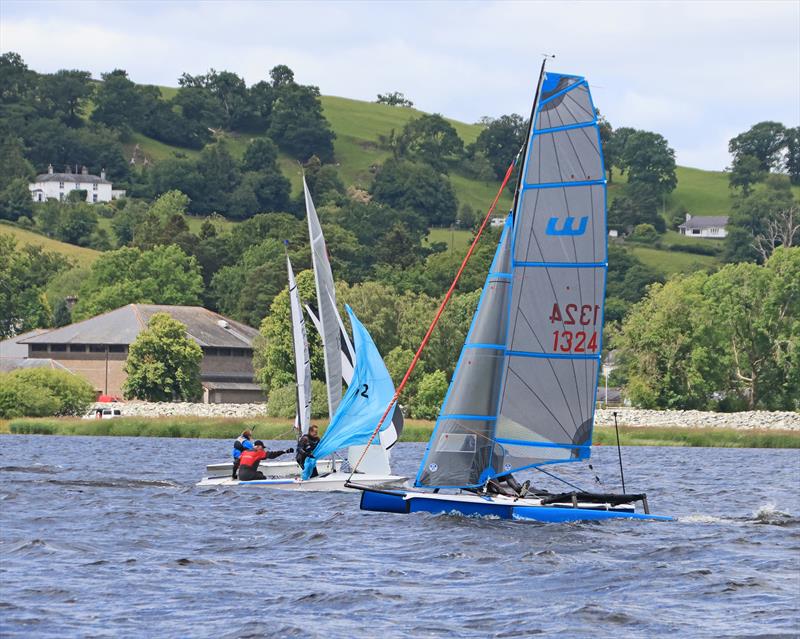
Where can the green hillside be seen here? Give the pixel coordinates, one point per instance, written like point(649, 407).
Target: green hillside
point(81, 256)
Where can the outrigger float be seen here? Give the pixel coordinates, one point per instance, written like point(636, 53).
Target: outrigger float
point(522, 396)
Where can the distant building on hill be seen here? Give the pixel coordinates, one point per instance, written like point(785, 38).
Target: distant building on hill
point(14, 355)
point(97, 349)
point(704, 226)
point(57, 186)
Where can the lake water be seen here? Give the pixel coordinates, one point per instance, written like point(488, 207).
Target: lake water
point(110, 537)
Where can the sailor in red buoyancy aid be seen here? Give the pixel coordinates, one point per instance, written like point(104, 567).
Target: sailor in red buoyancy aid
point(249, 460)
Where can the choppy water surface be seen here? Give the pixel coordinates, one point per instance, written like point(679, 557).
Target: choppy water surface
point(110, 537)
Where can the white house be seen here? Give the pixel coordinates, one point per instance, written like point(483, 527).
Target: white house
point(58, 185)
point(704, 226)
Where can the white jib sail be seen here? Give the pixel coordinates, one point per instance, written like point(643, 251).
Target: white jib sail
point(326, 302)
point(302, 362)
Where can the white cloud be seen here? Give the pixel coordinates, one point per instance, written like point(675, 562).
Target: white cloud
point(685, 69)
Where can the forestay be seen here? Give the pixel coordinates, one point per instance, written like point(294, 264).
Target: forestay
point(370, 392)
point(540, 407)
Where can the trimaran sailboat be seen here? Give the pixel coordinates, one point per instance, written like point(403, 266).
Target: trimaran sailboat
point(370, 389)
point(523, 392)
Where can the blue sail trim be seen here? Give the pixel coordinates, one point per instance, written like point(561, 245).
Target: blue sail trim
point(553, 355)
point(493, 273)
point(557, 185)
point(566, 127)
point(560, 264)
point(483, 418)
point(550, 98)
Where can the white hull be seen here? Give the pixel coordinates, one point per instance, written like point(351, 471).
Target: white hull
point(323, 483)
point(281, 469)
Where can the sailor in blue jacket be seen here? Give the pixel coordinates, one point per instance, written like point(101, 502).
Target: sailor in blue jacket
point(241, 444)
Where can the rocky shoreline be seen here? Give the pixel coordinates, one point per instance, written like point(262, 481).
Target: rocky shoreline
point(752, 420)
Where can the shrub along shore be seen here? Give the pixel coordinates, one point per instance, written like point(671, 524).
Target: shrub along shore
point(414, 431)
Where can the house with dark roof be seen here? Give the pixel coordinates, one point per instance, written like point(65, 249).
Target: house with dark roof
point(14, 355)
point(704, 226)
point(57, 186)
point(97, 349)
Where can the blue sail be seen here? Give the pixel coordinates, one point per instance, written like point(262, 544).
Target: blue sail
point(370, 392)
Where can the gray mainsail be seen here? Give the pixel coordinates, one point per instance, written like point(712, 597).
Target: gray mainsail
point(326, 304)
point(559, 263)
point(527, 398)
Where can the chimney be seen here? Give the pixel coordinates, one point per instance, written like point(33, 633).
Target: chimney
point(84, 170)
point(71, 300)
point(50, 169)
point(688, 216)
point(102, 174)
point(67, 169)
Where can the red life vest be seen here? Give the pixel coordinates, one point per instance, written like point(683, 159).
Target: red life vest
point(252, 457)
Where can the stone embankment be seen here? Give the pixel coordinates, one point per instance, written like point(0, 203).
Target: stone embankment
point(749, 420)
point(605, 417)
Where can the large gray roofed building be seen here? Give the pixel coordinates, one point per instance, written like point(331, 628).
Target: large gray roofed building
point(122, 325)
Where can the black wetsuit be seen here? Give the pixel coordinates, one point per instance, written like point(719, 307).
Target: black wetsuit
point(305, 447)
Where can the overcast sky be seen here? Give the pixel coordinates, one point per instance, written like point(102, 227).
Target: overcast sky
point(696, 72)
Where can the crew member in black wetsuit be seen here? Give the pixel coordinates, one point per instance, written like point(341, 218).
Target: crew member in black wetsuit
point(249, 460)
point(496, 485)
point(306, 445)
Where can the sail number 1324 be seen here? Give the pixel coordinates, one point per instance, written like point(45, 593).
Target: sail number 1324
point(575, 341)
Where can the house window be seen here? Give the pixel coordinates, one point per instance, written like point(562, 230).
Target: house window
point(61, 197)
point(77, 348)
point(94, 186)
point(210, 351)
point(58, 348)
point(225, 352)
point(695, 231)
point(94, 197)
point(39, 348)
point(97, 348)
point(61, 185)
point(116, 348)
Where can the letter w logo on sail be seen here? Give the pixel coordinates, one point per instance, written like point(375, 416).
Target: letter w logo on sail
point(567, 226)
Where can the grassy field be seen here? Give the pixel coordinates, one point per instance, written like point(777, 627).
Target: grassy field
point(415, 431)
point(670, 262)
point(81, 256)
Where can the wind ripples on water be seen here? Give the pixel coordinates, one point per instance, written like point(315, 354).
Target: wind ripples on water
point(110, 537)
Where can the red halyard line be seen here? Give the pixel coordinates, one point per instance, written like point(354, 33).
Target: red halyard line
point(446, 299)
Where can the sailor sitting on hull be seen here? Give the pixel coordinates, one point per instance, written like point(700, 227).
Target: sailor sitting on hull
point(249, 460)
point(240, 444)
point(512, 487)
point(306, 445)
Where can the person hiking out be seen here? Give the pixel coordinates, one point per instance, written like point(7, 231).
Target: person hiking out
point(249, 460)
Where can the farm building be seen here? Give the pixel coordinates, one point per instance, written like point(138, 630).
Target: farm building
point(704, 226)
point(97, 349)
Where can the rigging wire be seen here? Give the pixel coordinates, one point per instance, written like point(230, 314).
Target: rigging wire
point(561, 479)
point(439, 312)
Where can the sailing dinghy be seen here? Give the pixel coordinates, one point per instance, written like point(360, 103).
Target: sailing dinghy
point(349, 419)
point(284, 469)
point(523, 392)
point(369, 393)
